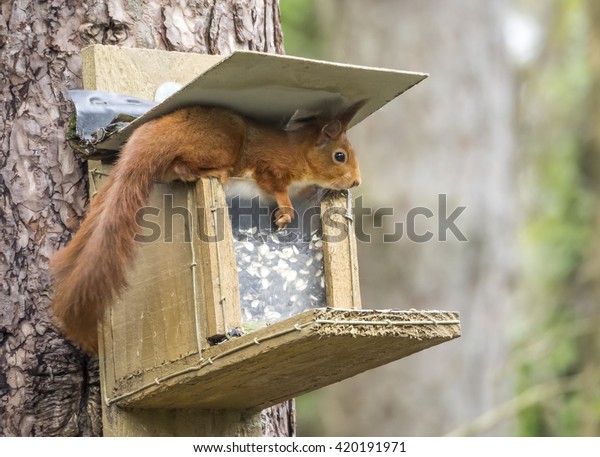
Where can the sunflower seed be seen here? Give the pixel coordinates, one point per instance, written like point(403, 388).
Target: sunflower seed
point(301, 284)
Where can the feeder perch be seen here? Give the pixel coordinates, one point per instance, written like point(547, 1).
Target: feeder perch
point(207, 275)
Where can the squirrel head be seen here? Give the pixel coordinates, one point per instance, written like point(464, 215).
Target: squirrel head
point(332, 158)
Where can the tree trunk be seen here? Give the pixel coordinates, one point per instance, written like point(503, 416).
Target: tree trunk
point(452, 135)
point(47, 386)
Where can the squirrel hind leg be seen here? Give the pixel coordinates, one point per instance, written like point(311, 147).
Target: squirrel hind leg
point(180, 172)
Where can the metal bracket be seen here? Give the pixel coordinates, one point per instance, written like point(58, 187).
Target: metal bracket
point(97, 115)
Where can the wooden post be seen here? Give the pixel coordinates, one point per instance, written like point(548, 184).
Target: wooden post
point(340, 261)
point(218, 274)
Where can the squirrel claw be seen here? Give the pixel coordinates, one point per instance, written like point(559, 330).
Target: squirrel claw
point(282, 221)
point(283, 216)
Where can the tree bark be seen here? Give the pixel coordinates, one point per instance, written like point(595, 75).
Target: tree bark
point(453, 135)
point(47, 386)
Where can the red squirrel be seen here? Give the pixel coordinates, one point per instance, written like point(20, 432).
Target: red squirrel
point(90, 272)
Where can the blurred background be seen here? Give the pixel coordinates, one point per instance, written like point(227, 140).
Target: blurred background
point(508, 126)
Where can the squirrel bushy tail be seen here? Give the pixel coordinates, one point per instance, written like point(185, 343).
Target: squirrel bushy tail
point(91, 270)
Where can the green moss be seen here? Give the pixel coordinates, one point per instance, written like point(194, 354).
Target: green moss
point(72, 127)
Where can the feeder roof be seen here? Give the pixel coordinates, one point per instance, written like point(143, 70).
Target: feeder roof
point(271, 88)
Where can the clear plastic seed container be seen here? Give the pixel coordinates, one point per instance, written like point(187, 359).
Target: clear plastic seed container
point(280, 271)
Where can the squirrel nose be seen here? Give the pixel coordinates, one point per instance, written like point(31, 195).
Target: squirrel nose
point(356, 182)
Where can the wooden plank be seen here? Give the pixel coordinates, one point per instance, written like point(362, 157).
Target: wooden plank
point(138, 72)
point(309, 351)
point(340, 260)
point(153, 321)
point(217, 277)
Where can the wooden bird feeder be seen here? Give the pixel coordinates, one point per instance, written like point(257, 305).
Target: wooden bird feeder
point(160, 369)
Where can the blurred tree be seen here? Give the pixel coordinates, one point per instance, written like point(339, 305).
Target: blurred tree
point(453, 134)
point(560, 118)
point(303, 33)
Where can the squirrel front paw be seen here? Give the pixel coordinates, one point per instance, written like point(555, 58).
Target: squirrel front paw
point(283, 216)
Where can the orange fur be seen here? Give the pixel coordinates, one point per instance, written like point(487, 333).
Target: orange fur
point(91, 271)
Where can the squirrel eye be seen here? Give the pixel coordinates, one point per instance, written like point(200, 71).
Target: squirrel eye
point(340, 156)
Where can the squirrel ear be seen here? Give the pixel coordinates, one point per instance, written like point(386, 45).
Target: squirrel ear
point(348, 114)
point(332, 129)
point(336, 127)
point(300, 119)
